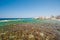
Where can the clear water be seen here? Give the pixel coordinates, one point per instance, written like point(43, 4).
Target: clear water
point(7, 21)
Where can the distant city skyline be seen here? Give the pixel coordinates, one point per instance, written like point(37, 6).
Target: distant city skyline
point(29, 8)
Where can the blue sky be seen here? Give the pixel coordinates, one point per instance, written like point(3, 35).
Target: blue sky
point(28, 8)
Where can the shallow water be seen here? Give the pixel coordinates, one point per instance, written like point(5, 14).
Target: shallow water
point(7, 21)
point(30, 25)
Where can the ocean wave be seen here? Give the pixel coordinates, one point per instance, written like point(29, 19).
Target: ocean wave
point(8, 20)
point(5, 20)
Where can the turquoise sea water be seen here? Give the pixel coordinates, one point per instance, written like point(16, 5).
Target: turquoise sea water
point(8, 21)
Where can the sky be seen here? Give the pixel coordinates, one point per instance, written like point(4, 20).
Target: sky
point(28, 8)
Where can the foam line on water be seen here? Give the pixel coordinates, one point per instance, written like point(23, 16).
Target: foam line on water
point(4, 20)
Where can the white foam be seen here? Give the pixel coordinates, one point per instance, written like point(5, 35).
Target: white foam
point(4, 20)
